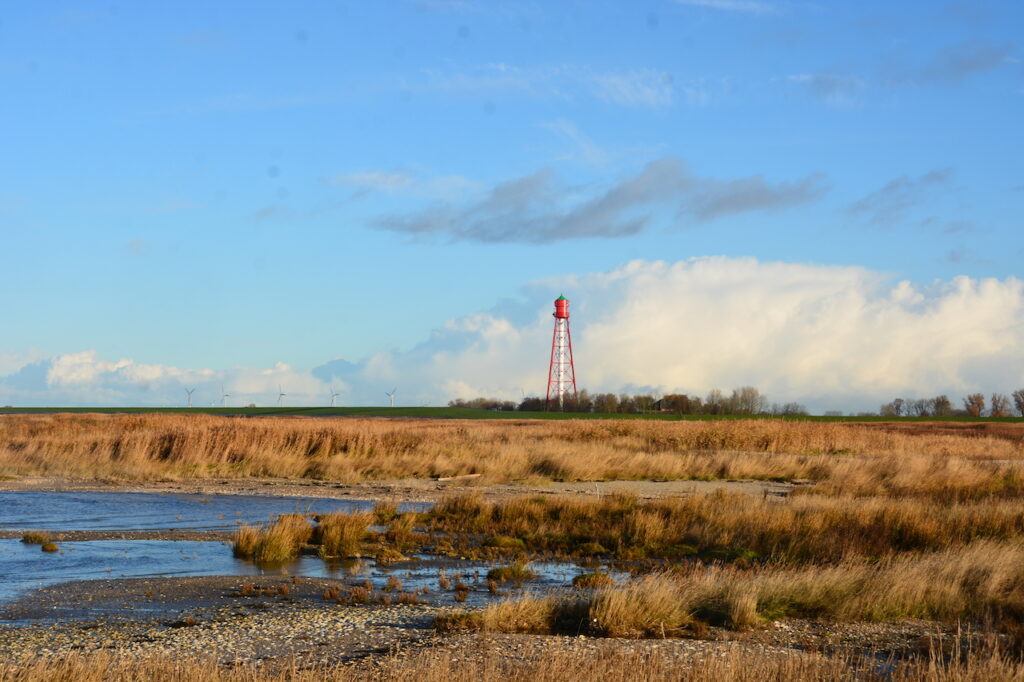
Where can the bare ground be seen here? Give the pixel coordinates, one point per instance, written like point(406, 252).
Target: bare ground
point(198, 617)
point(406, 490)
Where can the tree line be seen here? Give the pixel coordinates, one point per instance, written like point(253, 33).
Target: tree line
point(745, 400)
point(999, 405)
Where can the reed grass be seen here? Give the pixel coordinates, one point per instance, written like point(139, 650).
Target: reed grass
point(733, 663)
point(729, 662)
point(847, 458)
point(980, 582)
point(723, 527)
point(280, 541)
point(341, 535)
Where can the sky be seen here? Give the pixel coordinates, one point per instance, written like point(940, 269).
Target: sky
point(820, 199)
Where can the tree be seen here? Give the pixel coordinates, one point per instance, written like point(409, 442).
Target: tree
point(974, 404)
point(606, 403)
point(1000, 406)
point(1018, 401)
point(715, 402)
point(531, 404)
point(747, 400)
point(921, 407)
point(893, 409)
point(941, 406)
point(643, 403)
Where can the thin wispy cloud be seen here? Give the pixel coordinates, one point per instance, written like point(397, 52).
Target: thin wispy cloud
point(950, 65)
point(891, 202)
point(834, 88)
point(584, 148)
point(641, 88)
point(744, 6)
point(542, 208)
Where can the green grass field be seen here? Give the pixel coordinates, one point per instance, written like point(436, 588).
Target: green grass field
point(457, 413)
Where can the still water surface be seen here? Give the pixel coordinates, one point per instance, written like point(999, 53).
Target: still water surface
point(25, 567)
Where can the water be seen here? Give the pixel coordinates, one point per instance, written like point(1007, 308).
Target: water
point(25, 567)
point(32, 510)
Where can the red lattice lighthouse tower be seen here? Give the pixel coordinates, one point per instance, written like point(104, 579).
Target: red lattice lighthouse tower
point(561, 372)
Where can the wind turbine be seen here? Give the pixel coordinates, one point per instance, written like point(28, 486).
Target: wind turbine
point(280, 394)
point(224, 396)
point(391, 395)
point(190, 391)
point(333, 396)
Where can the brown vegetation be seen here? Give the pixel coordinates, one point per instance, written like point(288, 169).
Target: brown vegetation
point(981, 582)
point(724, 527)
point(852, 457)
point(280, 541)
point(735, 663)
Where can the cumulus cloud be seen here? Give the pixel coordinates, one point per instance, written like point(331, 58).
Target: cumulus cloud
point(891, 202)
point(832, 337)
point(541, 208)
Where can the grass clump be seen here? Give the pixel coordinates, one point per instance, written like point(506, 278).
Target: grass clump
point(50, 547)
point(653, 606)
point(35, 538)
point(528, 615)
point(388, 555)
point(280, 541)
point(504, 542)
point(517, 573)
point(341, 535)
point(592, 581)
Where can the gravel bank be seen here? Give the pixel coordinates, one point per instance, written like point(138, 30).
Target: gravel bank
point(408, 490)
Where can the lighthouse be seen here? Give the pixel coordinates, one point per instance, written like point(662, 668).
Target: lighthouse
point(561, 371)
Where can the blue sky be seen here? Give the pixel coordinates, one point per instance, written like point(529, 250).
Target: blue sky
point(218, 187)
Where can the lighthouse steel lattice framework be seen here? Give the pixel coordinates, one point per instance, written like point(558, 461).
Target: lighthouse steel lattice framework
point(561, 372)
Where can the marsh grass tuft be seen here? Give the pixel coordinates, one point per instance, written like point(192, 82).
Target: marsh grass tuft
point(35, 538)
point(280, 541)
point(341, 535)
point(517, 572)
point(592, 581)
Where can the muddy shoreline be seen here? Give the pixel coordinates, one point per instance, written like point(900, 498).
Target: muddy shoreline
point(406, 490)
point(211, 615)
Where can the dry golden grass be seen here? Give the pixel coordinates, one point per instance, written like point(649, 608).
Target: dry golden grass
point(851, 458)
point(719, 526)
point(281, 541)
point(981, 582)
point(737, 664)
point(340, 535)
point(728, 663)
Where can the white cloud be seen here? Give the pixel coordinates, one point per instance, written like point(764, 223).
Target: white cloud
point(832, 337)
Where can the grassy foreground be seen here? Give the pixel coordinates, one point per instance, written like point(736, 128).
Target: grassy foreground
point(739, 664)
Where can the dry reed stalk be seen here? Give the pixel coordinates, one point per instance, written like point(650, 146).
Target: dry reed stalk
point(847, 458)
point(727, 662)
point(982, 582)
point(722, 526)
point(281, 541)
point(340, 535)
